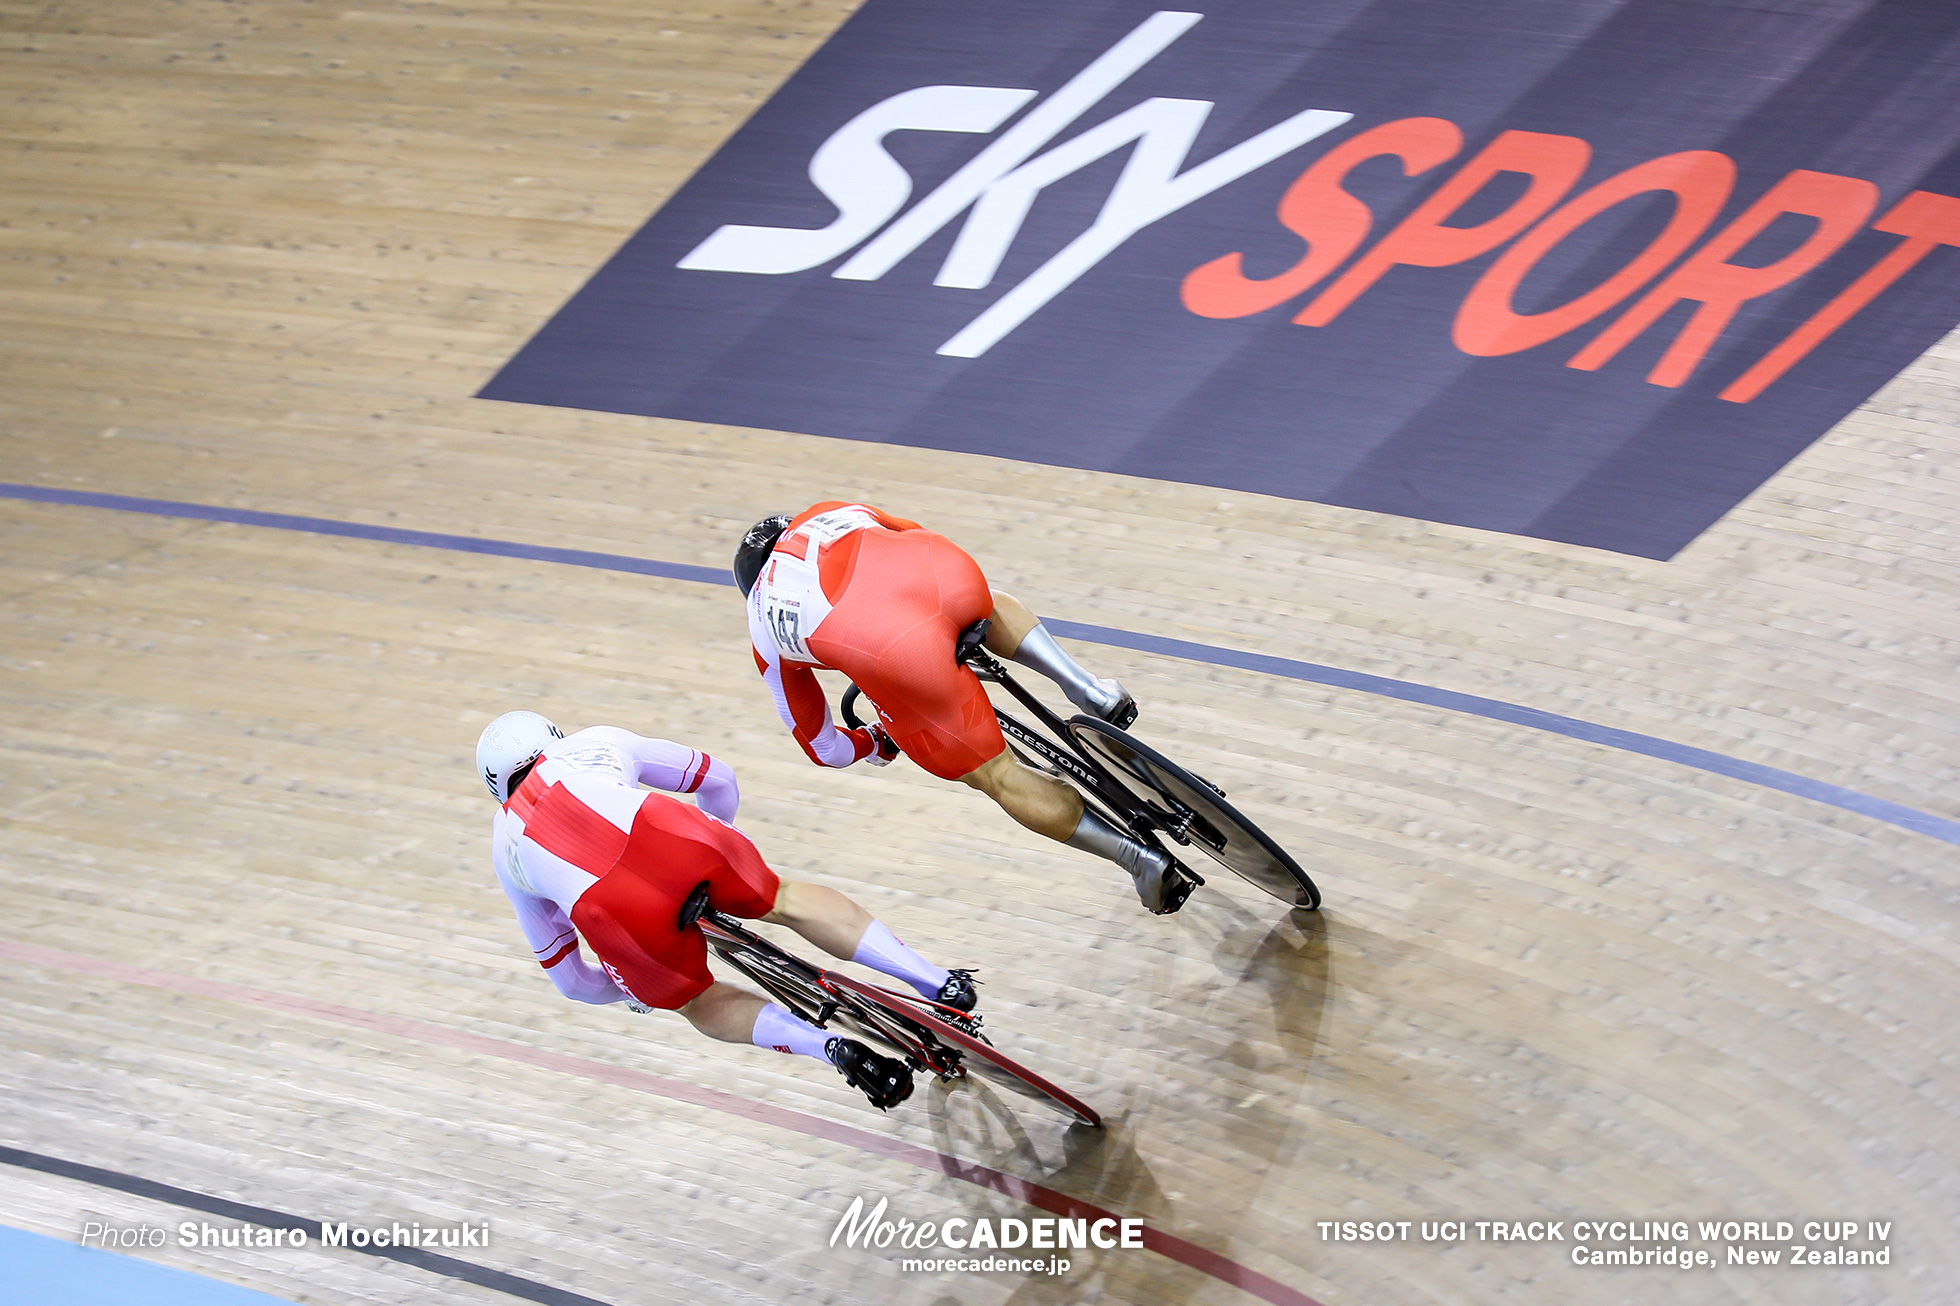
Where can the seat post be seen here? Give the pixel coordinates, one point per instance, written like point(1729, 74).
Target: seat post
point(697, 902)
point(971, 641)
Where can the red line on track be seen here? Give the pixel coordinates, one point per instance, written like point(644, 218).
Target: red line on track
point(1202, 1259)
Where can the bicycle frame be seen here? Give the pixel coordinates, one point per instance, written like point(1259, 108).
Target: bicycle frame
point(929, 1035)
point(1086, 772)
point(818, 997)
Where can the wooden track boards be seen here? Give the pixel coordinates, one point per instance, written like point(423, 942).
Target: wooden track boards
point(261, 254)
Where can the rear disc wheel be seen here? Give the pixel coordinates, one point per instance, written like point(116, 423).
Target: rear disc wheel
point(1215, 826)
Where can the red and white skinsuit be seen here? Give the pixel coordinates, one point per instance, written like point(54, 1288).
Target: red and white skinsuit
point(883, 600)
point(582, 851)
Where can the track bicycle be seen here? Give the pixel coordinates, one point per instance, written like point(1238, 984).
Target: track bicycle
point(927, 1035)
point(1133, 785)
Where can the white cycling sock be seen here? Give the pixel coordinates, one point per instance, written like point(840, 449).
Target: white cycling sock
point(881, 951)
point(779, 1028)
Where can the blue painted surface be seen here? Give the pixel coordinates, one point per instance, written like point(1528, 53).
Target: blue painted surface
point(40, 1271)
point(1768, 777)
point(1381, 406)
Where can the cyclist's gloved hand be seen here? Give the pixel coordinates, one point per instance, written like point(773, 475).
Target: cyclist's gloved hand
point(883, 748)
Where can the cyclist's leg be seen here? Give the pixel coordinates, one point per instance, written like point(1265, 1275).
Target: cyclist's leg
point(843, 929)
point(823, 916)
point(728, 1014)
point(632, 919)
point(1042, 803)
point(1016, 634)
point(1008, 624)
point(1050, 807)
point(894, 633)
point(741, 884)
point(735, 1015)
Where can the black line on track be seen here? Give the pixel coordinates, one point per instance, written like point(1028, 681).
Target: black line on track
point(447, 1266)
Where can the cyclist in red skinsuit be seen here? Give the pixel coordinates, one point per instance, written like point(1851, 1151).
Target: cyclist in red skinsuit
point(847, 587)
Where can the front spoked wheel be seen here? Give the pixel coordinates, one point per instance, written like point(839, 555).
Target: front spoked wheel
point(1193, 811)
point(974, 1050)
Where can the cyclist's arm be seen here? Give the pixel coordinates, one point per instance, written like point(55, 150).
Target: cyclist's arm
point(577, 978)
point(885, 519)
point(890, 522)
point(555, 943)
point(800, 702)
point(663, 764)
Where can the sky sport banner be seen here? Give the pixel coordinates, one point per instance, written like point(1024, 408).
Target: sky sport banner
point(1584, 270)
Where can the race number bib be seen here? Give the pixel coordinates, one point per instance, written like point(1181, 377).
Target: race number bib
point(787, 607)
point(789, 597)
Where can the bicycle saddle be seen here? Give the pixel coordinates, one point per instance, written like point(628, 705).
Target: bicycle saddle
point(970, 641)
point(697, 902)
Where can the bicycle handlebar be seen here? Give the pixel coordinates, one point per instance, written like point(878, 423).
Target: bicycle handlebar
point(848, 708)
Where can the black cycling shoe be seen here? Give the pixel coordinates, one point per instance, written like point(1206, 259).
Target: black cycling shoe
point(1177, 887)
point(1110, 701)
point(957, 992)
point(886, 1081)
point(1161, 883)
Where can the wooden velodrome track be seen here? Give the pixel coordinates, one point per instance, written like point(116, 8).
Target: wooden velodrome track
point(259, 255)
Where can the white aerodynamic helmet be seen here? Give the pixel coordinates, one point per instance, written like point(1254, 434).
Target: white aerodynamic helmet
point(509, 744)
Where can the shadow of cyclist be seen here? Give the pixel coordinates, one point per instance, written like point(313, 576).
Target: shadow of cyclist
point(1100, 1171)
point(974, 1118)
point(1292, 964)
point(1285, 965)
point(1263, 1010)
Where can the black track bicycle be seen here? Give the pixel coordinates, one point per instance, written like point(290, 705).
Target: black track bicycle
point(927, 1035)
point(1134, 786)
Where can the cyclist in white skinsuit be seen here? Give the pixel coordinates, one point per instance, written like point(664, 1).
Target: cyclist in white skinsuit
point(586, 855)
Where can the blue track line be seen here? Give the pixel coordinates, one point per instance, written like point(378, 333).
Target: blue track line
point(1768, 777)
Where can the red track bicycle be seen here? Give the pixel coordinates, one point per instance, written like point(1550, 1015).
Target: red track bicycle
point(927, 1035)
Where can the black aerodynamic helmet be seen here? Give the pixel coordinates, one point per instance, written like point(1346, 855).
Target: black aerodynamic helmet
point(754, 549)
